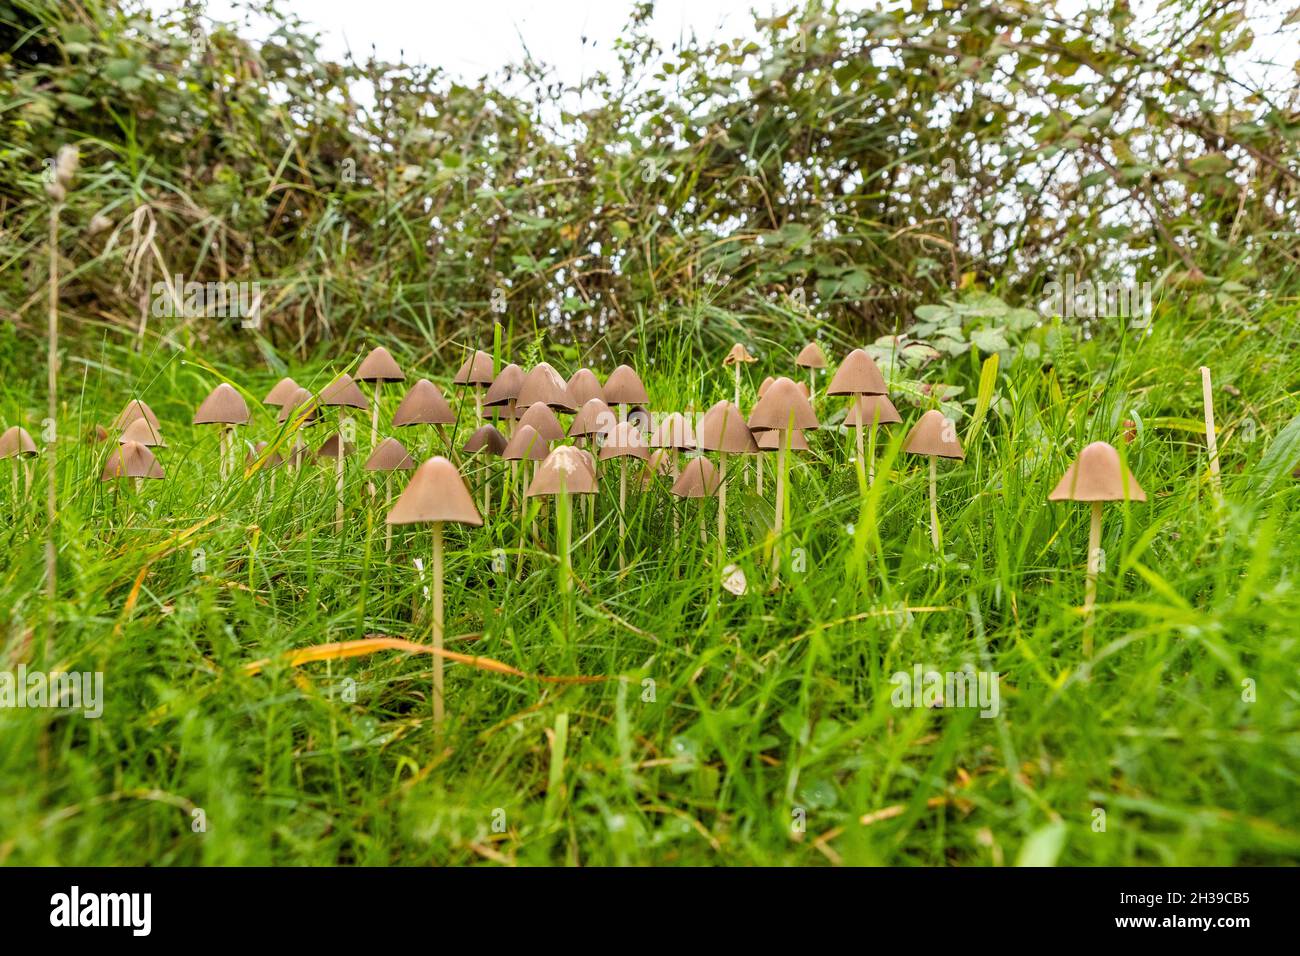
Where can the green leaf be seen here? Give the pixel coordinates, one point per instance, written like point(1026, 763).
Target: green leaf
point(1043, 847)
point(1282, 454)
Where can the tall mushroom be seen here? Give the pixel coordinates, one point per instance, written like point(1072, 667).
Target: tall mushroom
point(504, 391)
point(491, 443)
point(566, 471)
point(298, 410)
point(225, 407)
point(812, 358)
point(593, 417)
point(131, 460)
point(783, 409)
point(540, 417)
point(739, 355)
point(1096, 476)
point(583, 386)
point(342, 393)
point(872, 411)
point(524, 445)
point(477, 372)
point(15, 444)
point(134, 409)
point(390, 455)
point(723, 430)
point(543, 385)
point(623, 441)
point(934, 436)
point(423, 404)
point(281, 392)
point(378, 367)
point(436, 494)
point(699, 479)
point(140, 430)
point(624, 388)
point(859, 375)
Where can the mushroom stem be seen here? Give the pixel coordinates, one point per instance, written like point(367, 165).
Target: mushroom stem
point(736, 367)
point(780, 506)
point(52, 410)
point(934, 505)
point(722, 503)
point(812, 385)
point(338, 478)
point(1090, 587)
point(871, 450)
point(374, 433)
point(437, 627)
point(862, 456)
point(388, 506)
point(758, 477)
point(1211, 440)
point(564, 532)
point(622, 505)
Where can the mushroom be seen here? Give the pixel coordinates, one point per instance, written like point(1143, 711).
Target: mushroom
point(504, 392)
point(134, 409)
point(676, 433)
point(225, 407)
point(280, 392)
point(16, 443)
point(583, 386)
point(699, 479)
point(342, 393)
point(623, 441)
point(1097, 475)
point(1211, 438)
point(299, 410)
point(476, 372)
point(724, 431)
point(378, 367)
point(593, 417)
point(423, 404)
point(872, 411)
point(131, 460)
point(736, 357)
point(540, 417)
point(812, 358)
point(543, 385)
point(624, 388)
point(566, 471)
point(783, 409)
point(524, 445)
point(488, 440)
point(859, 375)
point(436, 494)
point(261, 455)
point(934, 436)
point(389, 455)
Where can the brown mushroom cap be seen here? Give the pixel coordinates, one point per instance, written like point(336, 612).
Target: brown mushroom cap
point(131, 460)
point(525, 443)
point(140, 430)
point(280, 392)
point(594, 416)
point(255, 453)
point(223, 406)
point(811, 356)
point(1098, 474)
point(624, 440)
point(390, 455)
point(783, 405)
point(486, 439)
point(723, 429)
point(927, 437)
point(16, 442)
point(773, 438)
point(623, 387)
point(343, 392)
point(330, 448)
point(699, 479)
point(134, 409)
point(543, 385)
point(674, 431)
point(436, 492)
point(764, 385)
point(858, 374)
point(540, 416)
point(505, 388)
point(379, 366)
point(423, 404)
point(659, 463)
point(583, 386)
point(476, 370)
point(566, 468)
point(290, 410)
point(738, 353)
point(873, 408)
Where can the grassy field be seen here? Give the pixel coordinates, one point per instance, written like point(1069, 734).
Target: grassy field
point(728, 729)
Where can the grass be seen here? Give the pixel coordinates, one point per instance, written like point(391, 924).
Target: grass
point(724, 719)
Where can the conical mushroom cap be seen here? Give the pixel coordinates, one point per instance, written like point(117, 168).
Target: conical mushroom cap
point(329, 448)
point(525, 444)
point(379, 366)
point(566, 465)
point(764, 385)
point(772, 439)
point(738, 353)
point(869, 408)
point(140, 430)
point(255, 453)
point(699, 479)
point(505, 388)
point(543, 385)
point(583, 386)
point(623, 387)
point(543, 419)
point(131, 460)
point(16, 442)
point(292, 407)
point(486, 439)
point(592, 417)
point(280, 392)
point(659, 463)
point(811, 356)
point(134, 409)
point(675, 431)
point(624, 440)
point(343, 392)
point(390, 455)
point(723, 429)
point(1098, 475)
point(223, 406)
point(934, 435)
point(436, 492)
point(783, 405)
point(858, 374)
point(476, 370)
point(423, 404)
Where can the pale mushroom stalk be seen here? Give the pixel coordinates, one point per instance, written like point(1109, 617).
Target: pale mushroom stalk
point(338, 473)
point(780, 505)
point(438, 704)
point(934, 505)
point(374, 422)
point(736, 400)
point(722, 501)
point(388, 504)
point(564, 534)
point(52, 410)
point(622, 507)
point(758, 476)
point(1090, 585)
point(863, 480)
point(1211, 440)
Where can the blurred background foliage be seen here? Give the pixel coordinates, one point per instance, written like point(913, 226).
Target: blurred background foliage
point(826, 179)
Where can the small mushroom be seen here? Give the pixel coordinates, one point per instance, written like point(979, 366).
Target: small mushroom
point(738, 356)
point(478, 371)
point(225, 407)
point(699, 479)
point(16, 444)
point(812, 358)
point(389, 455)
point(525, 445)
point(262, 456)
point(300, 410)
point(583, 386)
point(131, 460)
point(723, 430)
point(623, 441)
point(140, 430)
point(540, 417)
point(1096, 476)
point(593, 417)
point(623, 388)
point(566, 471)
point(934, 436)
point(491, 443)
point(342, 393)
point(378, 367)
point(423, 404)
point(859, 375)
point(329, 448)
point(280, 392)
point(676, 433)
point(544, 385)
point(504, 391)
point(436, 494)
point(871, 411)
point(782, 411)
point(134, 409)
